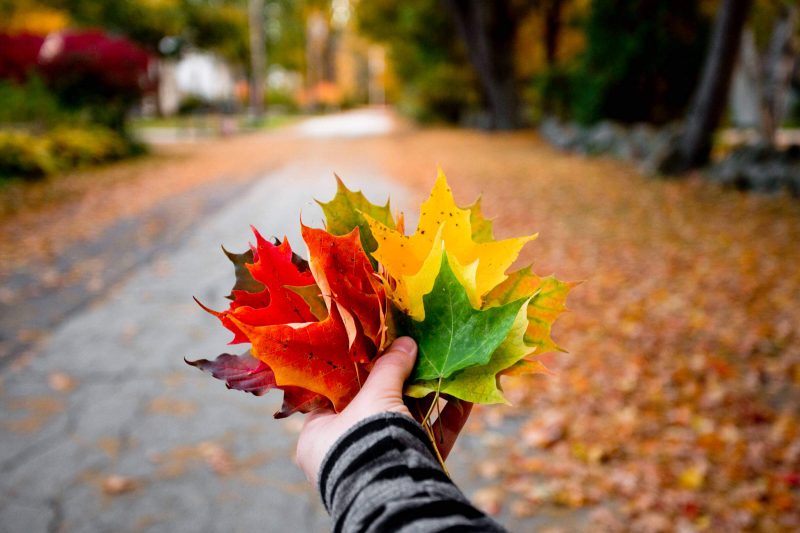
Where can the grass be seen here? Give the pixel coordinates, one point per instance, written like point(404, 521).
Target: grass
point(211, 122)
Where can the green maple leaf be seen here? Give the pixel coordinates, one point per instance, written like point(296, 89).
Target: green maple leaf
point(546, 305)
point(480, 384)
point(346, 211)
point(454, 335)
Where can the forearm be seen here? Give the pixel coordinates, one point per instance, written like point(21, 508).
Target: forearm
point(382, 475)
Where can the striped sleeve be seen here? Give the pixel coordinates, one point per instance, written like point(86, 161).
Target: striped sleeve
point(382, 475)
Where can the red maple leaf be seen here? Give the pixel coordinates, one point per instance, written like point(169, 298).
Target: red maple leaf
point(316, 356)
point(315, 362)
point(345, 276)
point(274, 267)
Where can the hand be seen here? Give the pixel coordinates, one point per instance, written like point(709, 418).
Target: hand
point(382, 392)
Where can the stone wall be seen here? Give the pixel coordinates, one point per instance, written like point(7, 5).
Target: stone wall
point(759, 168)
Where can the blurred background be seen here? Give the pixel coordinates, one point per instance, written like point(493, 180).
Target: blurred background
point(653, 144)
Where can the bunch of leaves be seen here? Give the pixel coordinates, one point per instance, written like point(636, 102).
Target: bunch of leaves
point(316, 326)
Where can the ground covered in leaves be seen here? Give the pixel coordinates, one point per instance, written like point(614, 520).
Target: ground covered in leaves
point(676, 408)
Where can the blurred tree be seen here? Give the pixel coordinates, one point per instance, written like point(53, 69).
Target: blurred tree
point(219, 26)
point(776, 67)
point(285, 32)
point(258, 59)
point(489, 31)
point(641, 61)
point(94, 76)
point(550, 39)
point(100, 75)
point(144, 21)
point(488, 49)
point(553, 12)
point(28, 16)
point(436, 81)
point(693, 149)
point(19, 56)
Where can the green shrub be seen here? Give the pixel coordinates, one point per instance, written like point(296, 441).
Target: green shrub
point(792, 119)
point(192, 103)
point(28, 103)
point(77, 147)
point(432, 98)
point(24, 155)
point(551, 92)
point(29, 156)
point(281, 101)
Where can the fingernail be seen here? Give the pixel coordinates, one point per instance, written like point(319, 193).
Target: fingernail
point(405, 345)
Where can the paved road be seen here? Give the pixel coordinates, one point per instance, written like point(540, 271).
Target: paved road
point(106, 429)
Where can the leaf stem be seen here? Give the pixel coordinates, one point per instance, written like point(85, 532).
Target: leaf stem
point(358, 375)
point(426, 424)
point(434, 402)
point(436, 449)
point(439, 419)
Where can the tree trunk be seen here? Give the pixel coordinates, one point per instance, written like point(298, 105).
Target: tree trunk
point(552, 29)
point(489, 32)
point(258, 60)
point(710, 98)
point(777, 73)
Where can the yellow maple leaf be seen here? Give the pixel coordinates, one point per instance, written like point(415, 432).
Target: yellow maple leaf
point(412, 262)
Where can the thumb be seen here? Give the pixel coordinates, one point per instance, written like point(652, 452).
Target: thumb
point(392, 368)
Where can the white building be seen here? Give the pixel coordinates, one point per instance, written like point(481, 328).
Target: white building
point(197, 73)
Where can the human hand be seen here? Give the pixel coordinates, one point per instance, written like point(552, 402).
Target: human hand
point(382, 392)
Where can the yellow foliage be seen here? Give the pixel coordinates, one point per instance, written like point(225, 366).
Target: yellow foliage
point(36, 20)
point(412, 262)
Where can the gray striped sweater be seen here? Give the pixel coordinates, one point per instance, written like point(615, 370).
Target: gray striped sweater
point(382, 475)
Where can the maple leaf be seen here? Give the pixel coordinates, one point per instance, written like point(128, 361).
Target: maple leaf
point(272, 267)
point(414, 286)
point(248, 374)
point(277, 266)
point(312, 296)
point(454, 335)
point(403, 256)
point(482, 230)
point(346, 211)
point(527, 366)
point(239, 372)
point(301, 264)
point(245, 281)
point(546, 305)
point(316, 356)
point(480, 383)
point(530, 333)
point(345, 278)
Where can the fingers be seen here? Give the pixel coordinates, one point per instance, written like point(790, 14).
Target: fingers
point(392, 368)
